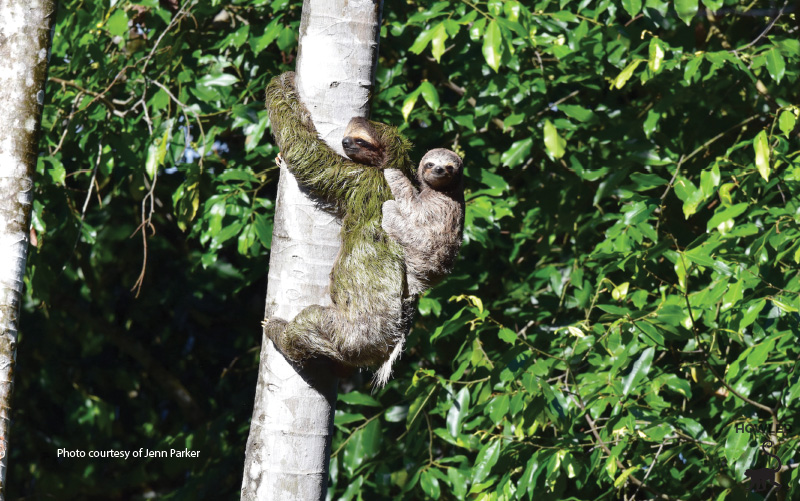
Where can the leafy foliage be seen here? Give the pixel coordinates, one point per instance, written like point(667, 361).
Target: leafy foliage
point(627, 292)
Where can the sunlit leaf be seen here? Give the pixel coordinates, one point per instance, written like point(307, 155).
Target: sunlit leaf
point(632, 7)
point(493, 45)
point(656, 55)
point(553, 142)
point(625, 74)
point(787, 122)
point(518, 152)
point(430, 95)
point(762, 154)
point(686, 9)
point(776, 64)
point(409, 102)
point(438, 38)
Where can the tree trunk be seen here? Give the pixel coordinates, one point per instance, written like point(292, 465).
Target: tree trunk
point(289, 444)
point(25, 34)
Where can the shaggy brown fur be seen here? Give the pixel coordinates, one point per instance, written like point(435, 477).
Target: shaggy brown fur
point(429, 224)
point(371, 312)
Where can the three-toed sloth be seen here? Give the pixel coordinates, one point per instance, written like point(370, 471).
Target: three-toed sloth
point(379, 270)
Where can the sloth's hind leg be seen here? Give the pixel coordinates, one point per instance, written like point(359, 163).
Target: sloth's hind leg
point(329, 332)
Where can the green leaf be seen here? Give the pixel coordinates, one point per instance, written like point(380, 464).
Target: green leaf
point(656, 52)
point(493, 45)
point(709, 180)
point(620, 291)
point(680, 271)
point(458, 410)
point(776, 64)
point(486, 459)
point(117, 24)
point(679, 385)
point(507, 335)
point(495, 7)
point(784, 305)
point(218, 80)
point(409, 102)
point(725, 193)
point(430, 95)
point(644, 182)
point(396, 414)
point(735, 443)
point(363, 445)
point(156, 153)
point(732, 296)
point(263, 227)
point(637, 213)
point(271, 33)
point(438, 38)
point(430, 484)
point(421, 42)
point(57, 172)
point(686, 10)
point(760, 354)
point(632, 7)
point(498, 408)
point(358, 398)
point(517, 153)
point(762, 154)
point(577, 112)
point(787, 122)
point(691, 68)
point(512, 10)
point(714, 5)
point(553, 143)
point(287, 39)
point(751, 313)
point(343, 418)
point(691, 196)
point(477, 29)
point(151, 164)
point(651, 122)
point(625, 74)
point(247, 238)
point(641, 368)
point(624, 476)
point(532, 470)
point(725, 214)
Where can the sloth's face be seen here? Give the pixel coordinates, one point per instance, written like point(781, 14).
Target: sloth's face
point(440, 169)
point(360, 143)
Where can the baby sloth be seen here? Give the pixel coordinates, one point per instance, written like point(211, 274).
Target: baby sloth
point(428, 224)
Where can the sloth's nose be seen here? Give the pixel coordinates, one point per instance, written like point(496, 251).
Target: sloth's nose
point(347, 142)
point(438, 170)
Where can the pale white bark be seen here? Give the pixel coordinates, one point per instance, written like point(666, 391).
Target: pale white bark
point(289, 444)
point(25, 33)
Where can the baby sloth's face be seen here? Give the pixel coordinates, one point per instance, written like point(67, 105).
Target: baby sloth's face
point(440, 169)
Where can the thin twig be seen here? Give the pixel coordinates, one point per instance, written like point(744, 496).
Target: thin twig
point(766, 30)
point(713, 370)
point(649, 469)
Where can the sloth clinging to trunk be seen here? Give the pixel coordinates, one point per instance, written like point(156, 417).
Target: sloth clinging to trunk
point(376, 277)
point(428, 224)
point(370, 313)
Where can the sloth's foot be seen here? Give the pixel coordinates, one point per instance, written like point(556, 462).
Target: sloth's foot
point(274, 327)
